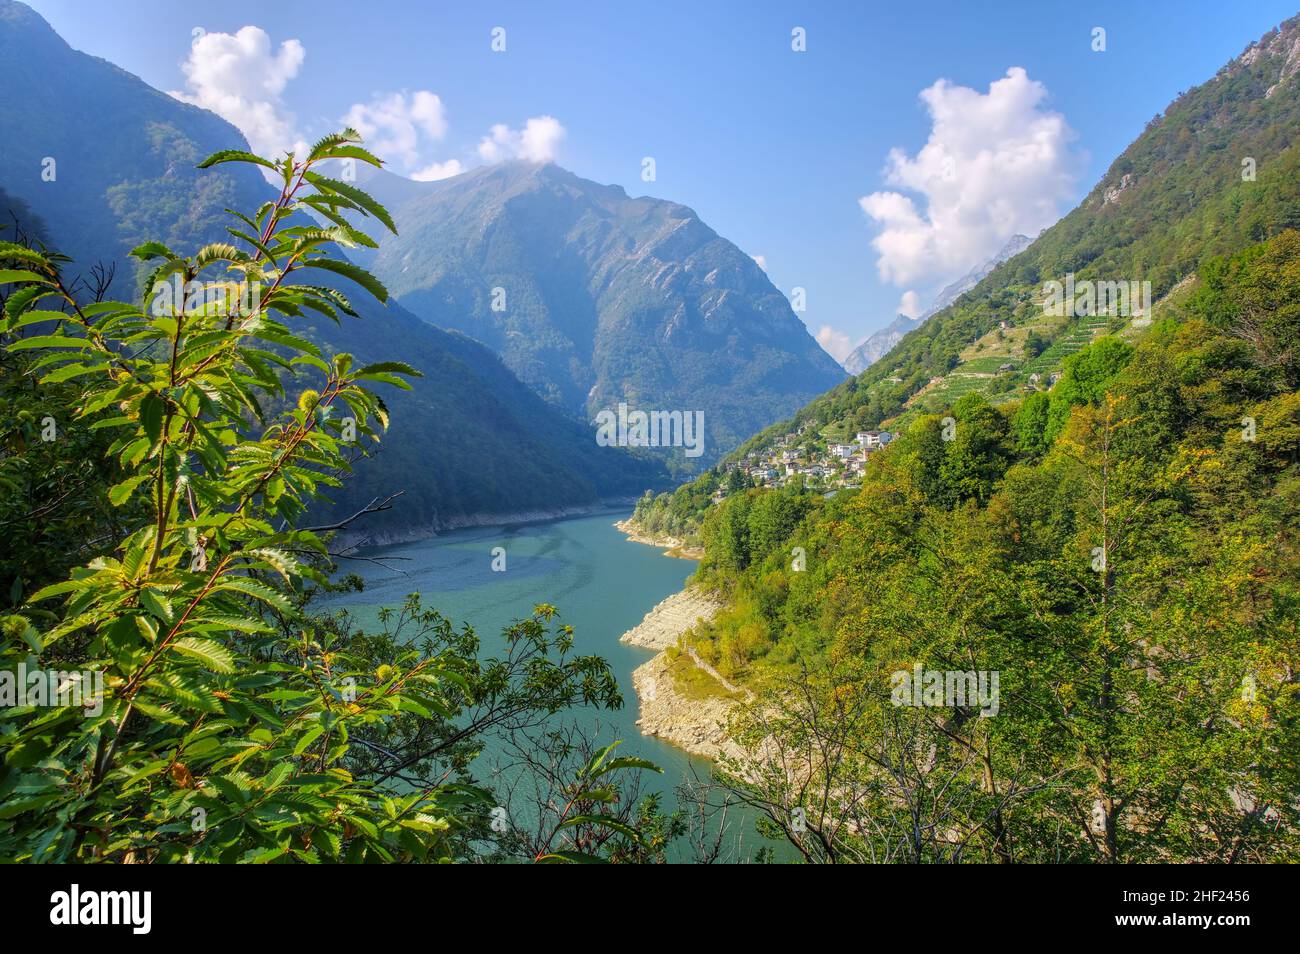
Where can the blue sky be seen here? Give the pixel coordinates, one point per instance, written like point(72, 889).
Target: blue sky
point(775, 149)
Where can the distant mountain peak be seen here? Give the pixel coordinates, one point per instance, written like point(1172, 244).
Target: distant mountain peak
point(469, 439)
point(19, 16)
point(880, 343)
point(594, 297)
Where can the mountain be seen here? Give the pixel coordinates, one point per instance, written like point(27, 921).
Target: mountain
point(950, 293)
point(883, 341)
point(593, 297)
point(879, 344)
point(1218, 171)
point(105, 162)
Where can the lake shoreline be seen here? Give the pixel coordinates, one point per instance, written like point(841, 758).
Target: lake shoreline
point(349, 539)
point(692, 719)
point(693, 722)
point(673, 546)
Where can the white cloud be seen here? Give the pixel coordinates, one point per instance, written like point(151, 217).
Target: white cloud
point(395, 125)
point(493, 146)
point(996, 164)
point(835, 342)
point(438, 170)
point(538, 141)
point(240, 78)
point(909, 304)
point(761, 260)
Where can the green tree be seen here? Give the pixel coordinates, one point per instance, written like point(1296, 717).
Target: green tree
point(226, 723)
point(1029, 425)
point(978, 454)
point(1034, 345)
point(1086, 375)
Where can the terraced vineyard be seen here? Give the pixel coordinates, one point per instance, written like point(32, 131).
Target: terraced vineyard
point(988, 364)
point(1067, 344)
point(956, 385)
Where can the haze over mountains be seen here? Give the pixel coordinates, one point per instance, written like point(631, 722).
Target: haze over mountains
point(880, 343)
point(468, 442)
point(595, 298)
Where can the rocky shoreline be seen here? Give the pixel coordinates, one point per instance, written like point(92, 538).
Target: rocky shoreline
point(696, 725)
point(692, 721)
point(674, 546)
point(354, 539)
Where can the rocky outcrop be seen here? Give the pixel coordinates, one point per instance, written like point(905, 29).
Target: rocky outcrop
point(1282, 44)
point(664, 625)
point(697, 725)
point(1113, 193)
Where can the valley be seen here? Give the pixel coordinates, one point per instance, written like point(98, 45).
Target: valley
point(390, 493)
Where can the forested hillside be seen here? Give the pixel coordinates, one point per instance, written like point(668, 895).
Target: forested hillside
point(1123, 554)
point(1113, 546)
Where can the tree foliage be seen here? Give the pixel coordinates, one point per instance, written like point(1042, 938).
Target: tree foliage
point(1132, 579)
point(234, 725)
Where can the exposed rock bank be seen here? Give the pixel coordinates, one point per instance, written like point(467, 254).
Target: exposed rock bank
point(669, 619)
point(691, 720)
point(696, 725)
point(675, 546)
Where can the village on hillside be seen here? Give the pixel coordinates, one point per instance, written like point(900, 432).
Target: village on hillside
point(806, 457)
point(811, 458)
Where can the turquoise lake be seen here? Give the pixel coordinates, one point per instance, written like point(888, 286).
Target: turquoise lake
point(601, 583)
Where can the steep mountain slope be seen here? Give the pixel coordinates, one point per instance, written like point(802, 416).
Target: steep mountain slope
point(883, 341)
point(470, 439)
point(1098, 546)
point(1218, 171)
point(593, 297)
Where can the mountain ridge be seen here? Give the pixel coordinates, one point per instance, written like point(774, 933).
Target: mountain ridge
point(595, 297)
point(468, 440)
